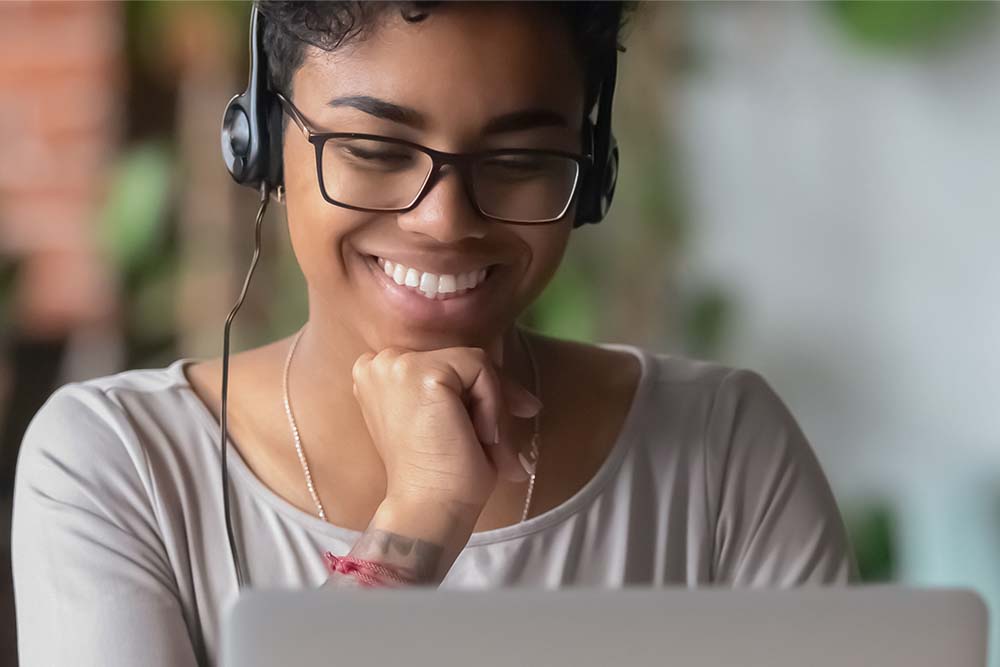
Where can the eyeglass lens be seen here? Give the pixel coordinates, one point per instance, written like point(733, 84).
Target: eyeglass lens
point(373, 174)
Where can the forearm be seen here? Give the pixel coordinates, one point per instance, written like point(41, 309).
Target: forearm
point(420, 541)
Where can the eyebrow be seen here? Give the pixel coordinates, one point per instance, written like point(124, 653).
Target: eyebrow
point(525, 119)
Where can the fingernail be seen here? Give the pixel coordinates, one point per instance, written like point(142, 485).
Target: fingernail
point(529, 405)
point(534, 400)
point(528, 466)
point(525, 411)
point(496, 435)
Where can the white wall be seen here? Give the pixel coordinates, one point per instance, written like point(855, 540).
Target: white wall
point(849, 201)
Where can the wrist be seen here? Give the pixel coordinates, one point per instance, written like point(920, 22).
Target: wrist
point(437, 521)
point(421, 538)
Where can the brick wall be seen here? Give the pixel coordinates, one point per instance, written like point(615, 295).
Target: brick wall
point(60, 83)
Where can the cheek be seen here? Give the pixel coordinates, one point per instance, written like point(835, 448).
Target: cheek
point(547, 248)
point(316, 228)
point(299, 165)
point(319, 233)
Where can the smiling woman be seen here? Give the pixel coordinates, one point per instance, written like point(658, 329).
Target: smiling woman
point(433, 160)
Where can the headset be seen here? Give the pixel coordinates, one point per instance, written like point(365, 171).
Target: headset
point(252, 150)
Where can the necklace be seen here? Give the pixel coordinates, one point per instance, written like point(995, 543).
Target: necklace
point(532, 457)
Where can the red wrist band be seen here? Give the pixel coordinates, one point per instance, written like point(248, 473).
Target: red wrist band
point(369, 573)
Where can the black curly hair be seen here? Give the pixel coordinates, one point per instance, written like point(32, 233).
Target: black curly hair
point(596, 28)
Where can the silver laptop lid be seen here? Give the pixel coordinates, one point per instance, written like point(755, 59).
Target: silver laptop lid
point(818, 627)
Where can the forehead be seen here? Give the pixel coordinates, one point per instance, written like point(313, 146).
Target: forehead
point(460, 66)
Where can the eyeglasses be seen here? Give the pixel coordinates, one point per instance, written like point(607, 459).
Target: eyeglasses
point(367, 172)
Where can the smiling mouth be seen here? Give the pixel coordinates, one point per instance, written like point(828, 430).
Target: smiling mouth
point(433, 286)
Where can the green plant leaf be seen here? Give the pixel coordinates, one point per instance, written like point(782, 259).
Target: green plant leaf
point(133, 221)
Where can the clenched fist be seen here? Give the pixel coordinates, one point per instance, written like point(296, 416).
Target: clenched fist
point(434, 417)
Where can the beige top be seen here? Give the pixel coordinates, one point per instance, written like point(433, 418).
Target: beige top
point(119, 544)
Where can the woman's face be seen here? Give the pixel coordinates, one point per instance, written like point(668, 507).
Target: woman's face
point(468, 77)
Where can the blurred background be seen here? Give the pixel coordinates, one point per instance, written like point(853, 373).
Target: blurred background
point(807, 189)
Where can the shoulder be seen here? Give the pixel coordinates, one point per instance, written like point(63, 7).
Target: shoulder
point(732, 416)
point(90, 528)
point(677, 398)
point(106, 427)
point(106, 403)
point(750, 424)
point(661, 390)
point(663, 403)
point(711, 399)
point(710, 415)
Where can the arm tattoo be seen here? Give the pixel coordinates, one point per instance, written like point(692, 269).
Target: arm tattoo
point(417, 560)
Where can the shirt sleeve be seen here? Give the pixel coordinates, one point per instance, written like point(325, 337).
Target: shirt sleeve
point(776, 520)
point(92, 581)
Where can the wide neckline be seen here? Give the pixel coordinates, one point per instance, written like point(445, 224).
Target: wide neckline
point(625, 439)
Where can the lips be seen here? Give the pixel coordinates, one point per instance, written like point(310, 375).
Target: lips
point(460, 308)
point(432, 285)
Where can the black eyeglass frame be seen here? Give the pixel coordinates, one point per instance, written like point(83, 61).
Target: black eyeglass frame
point(463, 162)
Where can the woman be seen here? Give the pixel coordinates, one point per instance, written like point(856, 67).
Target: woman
point(397, 426)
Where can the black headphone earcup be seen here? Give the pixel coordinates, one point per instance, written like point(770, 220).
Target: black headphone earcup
point(609, 179)
point(237, 139)
point(252, 153)
point(597, 188)
point(247, 122)
point(275, 142)
point(586, 204)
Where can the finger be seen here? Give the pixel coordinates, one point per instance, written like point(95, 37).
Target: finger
point(503, 455)
point(520, 402)
point(495, 350)
point(478, 379)
point(487, 407)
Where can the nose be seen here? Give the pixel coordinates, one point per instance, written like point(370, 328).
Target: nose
point(445, 212)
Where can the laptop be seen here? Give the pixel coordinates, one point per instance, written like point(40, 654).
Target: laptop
point(815, 627)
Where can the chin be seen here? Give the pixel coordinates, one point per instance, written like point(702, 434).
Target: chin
point(397, 334)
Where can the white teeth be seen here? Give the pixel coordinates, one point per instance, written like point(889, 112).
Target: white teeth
point(412, 278)
point(446, 285)
point(431, 285)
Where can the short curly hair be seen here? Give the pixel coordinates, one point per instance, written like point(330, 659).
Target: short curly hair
point(596, 29)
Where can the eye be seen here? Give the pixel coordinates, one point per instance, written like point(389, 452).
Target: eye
point(515, 163)
point(382, 155)
point(516, 168)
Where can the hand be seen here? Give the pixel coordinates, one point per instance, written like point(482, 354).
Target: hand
point(433, 417)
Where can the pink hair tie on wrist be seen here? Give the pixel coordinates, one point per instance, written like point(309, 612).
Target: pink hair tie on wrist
point(368, 572)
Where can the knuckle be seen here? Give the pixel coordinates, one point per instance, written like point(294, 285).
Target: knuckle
point(402, 366)
point(360, 365)
point(384, 360)
point(433, 378)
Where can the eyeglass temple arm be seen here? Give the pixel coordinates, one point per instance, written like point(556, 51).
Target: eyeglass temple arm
point(293, 113)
